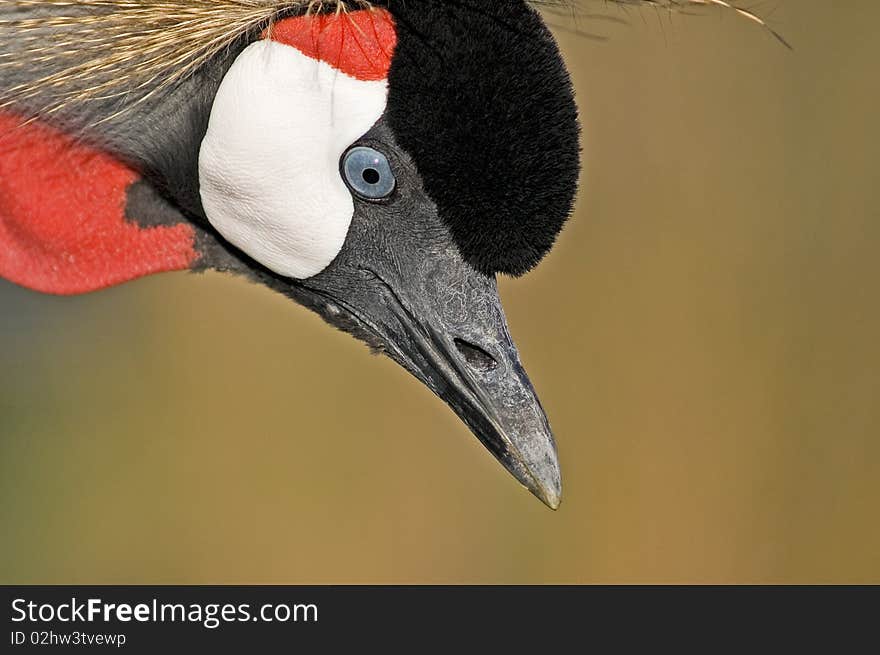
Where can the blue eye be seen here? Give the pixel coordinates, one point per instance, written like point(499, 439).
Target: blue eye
point(368, 173)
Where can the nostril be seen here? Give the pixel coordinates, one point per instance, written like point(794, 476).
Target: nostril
point(476, 356)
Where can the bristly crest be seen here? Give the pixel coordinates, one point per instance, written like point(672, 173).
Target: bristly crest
point(670, 6)
point(124, 51)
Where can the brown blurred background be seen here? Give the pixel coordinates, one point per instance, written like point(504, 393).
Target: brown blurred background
point(705, 339)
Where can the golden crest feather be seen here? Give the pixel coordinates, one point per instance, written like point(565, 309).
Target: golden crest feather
point(126, 50)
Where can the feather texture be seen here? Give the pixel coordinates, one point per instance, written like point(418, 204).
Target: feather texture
point(125, 50)
point(59, 54)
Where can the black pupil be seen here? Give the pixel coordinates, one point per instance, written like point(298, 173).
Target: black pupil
point(371, 176)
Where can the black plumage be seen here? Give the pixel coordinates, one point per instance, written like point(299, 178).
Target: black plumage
point(481, 99)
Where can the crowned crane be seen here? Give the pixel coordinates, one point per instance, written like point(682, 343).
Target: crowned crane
point(377, 163)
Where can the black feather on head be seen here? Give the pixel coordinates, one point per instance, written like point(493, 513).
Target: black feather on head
point(480, 98)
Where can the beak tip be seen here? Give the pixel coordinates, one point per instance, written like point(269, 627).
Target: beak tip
point(547, 489)
point(551, 497)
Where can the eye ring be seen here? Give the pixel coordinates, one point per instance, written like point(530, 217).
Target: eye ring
point(368, 174)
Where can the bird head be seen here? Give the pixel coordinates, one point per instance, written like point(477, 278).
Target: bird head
point(379, 165)
point(386, 165)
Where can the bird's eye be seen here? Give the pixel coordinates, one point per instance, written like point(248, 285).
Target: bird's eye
point(368, 173)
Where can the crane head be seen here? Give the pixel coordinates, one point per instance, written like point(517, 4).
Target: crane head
point(392, 164)
point(380, 166)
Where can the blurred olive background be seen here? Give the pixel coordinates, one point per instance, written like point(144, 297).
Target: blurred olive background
point(704, 339)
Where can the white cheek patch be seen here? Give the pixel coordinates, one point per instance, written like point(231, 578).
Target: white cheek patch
point(269, 163)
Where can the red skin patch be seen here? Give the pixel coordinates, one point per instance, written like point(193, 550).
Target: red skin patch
point(358, 43)
point(63, 228)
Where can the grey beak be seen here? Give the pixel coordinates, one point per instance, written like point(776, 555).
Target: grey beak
point(452, 334)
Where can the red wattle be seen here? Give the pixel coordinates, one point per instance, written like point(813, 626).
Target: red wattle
point(63, 226)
